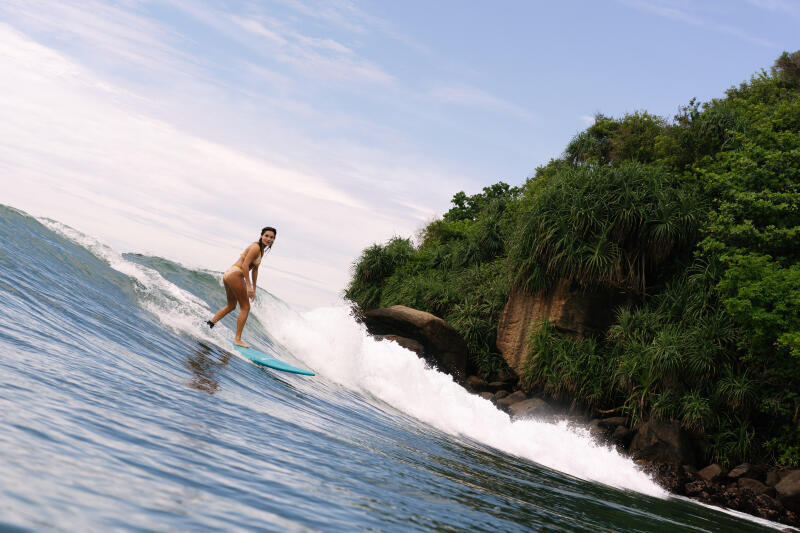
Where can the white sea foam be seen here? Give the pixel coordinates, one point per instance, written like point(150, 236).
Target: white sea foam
point(333, 344)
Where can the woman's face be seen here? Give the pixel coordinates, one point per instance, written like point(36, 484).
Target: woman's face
point(267, 238)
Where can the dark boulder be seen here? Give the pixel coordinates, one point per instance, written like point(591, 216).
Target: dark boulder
point(663, 441)
point(408, 344)
point(772, 477)
point(476, 384)
point(746, 483)
point(597, 430)
point(443, 346)
point(740, 471)
point(514, 397)
point(614, 421)
point(622, 436)
point(530, 408)
point(711, 472)
point(495, 386)
point(487, 396)
point(788, 490)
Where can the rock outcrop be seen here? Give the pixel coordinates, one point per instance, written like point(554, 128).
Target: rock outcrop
point(405, 342)
point(575, 312)
point(745, 488)
point(711, 473)
point(442, 346)
point(530, 408)
point(663, 441)
point(788, 490)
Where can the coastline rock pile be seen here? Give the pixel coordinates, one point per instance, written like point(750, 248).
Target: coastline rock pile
point(667, 452)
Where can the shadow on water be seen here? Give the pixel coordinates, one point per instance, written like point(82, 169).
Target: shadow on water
point(204, 363)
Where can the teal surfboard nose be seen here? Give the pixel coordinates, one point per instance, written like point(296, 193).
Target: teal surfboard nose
point(270, 361)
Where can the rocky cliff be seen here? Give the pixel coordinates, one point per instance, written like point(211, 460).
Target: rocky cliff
point(575, 312)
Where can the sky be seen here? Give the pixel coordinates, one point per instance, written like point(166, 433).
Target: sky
point(179, 128)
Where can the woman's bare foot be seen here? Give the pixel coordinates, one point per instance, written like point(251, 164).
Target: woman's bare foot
point(240, 342)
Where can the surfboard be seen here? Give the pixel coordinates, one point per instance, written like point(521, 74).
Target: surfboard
point(269, 361)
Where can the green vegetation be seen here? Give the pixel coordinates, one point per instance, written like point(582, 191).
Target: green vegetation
point(457, 271)
point(696, 218)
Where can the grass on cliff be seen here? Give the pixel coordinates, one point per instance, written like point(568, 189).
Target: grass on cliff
point(604, 226)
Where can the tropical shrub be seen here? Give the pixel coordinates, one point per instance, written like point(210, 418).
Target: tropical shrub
point(604, 226)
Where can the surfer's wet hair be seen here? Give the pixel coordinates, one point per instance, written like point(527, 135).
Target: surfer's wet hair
point(263, 231)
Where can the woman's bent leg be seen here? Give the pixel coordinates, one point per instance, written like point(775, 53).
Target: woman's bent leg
point(239, 290)
point(229, 306)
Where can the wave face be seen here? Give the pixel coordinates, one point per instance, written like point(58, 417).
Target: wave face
point(121, 410)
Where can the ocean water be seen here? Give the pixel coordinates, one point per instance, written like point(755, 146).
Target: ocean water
point(121, 411)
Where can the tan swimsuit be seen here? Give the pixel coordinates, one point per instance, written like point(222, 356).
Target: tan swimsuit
point(237, 269)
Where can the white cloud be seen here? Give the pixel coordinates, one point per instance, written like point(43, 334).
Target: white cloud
point(785, 6)
point(667, 9)
point(474, 97)
point(322, 58)
point(346, 15)
point(113, 30)
point(587, 119)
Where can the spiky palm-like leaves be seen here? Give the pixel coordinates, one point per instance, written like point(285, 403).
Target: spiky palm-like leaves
point(376, 264)
point(737, 390)
point(732, 442)
point(563, 367)
point(604, 226)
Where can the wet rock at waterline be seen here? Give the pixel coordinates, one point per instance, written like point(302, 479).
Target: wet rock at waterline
point(476, 384)
point(405, 342)
point(442, 346)
point(663, 441)
point(530, 408)
point(711, 472)
point(517, 396)
point(788, 490)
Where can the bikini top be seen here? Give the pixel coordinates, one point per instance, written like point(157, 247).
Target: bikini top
point(255, 262)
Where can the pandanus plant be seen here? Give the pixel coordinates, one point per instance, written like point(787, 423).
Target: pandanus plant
point(604, 226)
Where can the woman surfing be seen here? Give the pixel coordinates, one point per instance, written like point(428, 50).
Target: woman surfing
point(237, 282)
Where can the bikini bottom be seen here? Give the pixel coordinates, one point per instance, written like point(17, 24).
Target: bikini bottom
point(231, 271)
